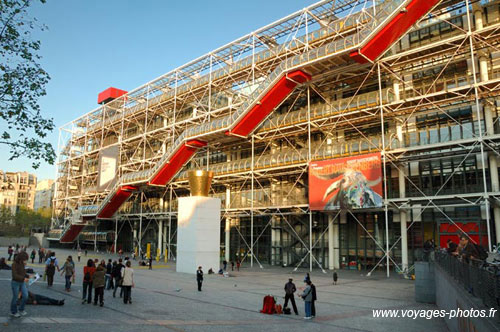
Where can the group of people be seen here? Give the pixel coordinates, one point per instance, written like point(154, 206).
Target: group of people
point(466, 250)
point(101, 276)
point(238, 265)
point(308, 295)
point(19, 285)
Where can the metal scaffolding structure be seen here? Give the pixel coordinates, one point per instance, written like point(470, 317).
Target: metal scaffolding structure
point(428, 104)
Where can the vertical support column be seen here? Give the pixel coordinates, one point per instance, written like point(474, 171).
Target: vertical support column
point(478, 114)
point(95, 236)
point(309, 157)
point(227, 229)
point(116, 235)
point(160, 237)
point(251, 208)
point(395, 88)
point(402, 216)
point(169, 224)
point(333, 243)
point(384, 157)
point(227, 240)
point(134, 240)
point(140, 225)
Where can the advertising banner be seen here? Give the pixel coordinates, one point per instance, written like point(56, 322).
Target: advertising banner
point(108, 165)
point(346, 183)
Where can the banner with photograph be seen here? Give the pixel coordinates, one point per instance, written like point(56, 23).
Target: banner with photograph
point(346, 183)
point(108, 166)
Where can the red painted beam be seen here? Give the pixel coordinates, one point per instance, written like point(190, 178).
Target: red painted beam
point(109, 94)
point(121, 195)
point(71, 234)
point(176, 162)
point(271, 99)
point(401, 23)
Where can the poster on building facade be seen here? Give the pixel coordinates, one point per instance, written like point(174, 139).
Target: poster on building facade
point(346, 183)
point(108, 164)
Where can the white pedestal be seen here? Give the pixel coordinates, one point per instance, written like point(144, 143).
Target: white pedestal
point(198, 234)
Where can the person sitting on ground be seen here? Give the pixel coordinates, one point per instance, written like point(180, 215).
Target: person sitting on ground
point(4, 265)
point(37, 299)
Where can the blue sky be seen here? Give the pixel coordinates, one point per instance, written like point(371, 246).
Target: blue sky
point(94, 44)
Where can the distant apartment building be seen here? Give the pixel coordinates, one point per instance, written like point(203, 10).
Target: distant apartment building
point(17, 189)
point(44, 194)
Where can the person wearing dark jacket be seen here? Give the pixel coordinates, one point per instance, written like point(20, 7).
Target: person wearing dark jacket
point(99, 281)
point(18, 284)
point(289, 290)
point(88, 273)
point(4, 265)
point(314, 298)
point(109, 270)
point(37, 299)
point(117, 275)
point(199, 277)
point(469, 252)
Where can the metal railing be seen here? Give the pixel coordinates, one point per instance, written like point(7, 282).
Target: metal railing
point(479, 279)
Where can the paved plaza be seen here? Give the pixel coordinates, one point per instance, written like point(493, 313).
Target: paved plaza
point(166, 300)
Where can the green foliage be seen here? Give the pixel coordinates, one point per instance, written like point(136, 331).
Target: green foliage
point(24, 220)
point(22, 83)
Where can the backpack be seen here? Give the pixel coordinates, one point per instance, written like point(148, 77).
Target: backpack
point(278, 309)
point(483, 254)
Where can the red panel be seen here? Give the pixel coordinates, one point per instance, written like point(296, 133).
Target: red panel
point(272, 99)
point(71, 234)
point(180, 157)
point(109, 94)
point(116, 201)
point(394, 30)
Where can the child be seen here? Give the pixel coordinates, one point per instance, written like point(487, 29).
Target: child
point(335, 277)
point(99, 282)
point(50, 270)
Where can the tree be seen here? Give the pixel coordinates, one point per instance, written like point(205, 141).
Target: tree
point(6, 215)
point(22, 83)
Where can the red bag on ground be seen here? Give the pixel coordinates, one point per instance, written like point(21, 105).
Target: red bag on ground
point(268, 306)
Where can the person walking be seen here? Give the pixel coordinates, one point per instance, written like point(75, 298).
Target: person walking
point(307, 297)
point(127, 275)
point(313, 301)
point(32, 256)
point(150, 262)
point(18, 284)
point(224, 264)
point(86, 252)
point(79, 255)
point(41, 255)
point(52, 258)
point(117, 275)
point(88, 273)
point(307, 277)
point(289, 290)
point(335, 277)
point(10, 251)
point(109, 270)
point(68, 270)
point(199, 277)
point(98, 280)
point(238, 264)
point(50, 270)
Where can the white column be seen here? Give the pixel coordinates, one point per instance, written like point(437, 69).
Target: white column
point(483, 68)
point(478, 15)
point(331, 259)
point(402, 215)
point(395, 88)
point(160, 236)
point(227, 239)
point(333, 242)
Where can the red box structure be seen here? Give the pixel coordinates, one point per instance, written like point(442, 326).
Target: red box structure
point(109, 94)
